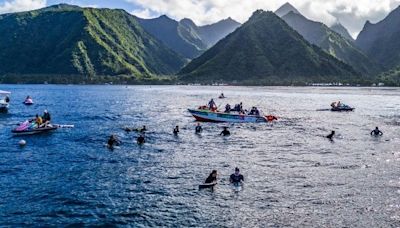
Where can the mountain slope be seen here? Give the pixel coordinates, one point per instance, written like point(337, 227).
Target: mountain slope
point(174, 35)
point(185, 37)
point(211, 34)
point(265, 50)
point(96, 42)
point(341, 30)
point(381, 41)
point(333, 43)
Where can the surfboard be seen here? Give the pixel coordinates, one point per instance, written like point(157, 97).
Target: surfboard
point(205, 186)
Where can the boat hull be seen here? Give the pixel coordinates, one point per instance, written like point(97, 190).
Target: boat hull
point(33, 131)
point(342, 109)
point(218, 117)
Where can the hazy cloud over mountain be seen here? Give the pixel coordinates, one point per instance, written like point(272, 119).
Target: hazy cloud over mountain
point(351, 14)
point(10, 6)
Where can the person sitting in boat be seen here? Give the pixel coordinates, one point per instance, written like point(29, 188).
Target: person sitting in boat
point(376, 132)
point(338, 105)
point(222, 95)
point(38, 121)
point(7, 99)
point(198, 129)
point(236, 178)
point(238, 107)
point(227, 108)
point(333, 105)
point(113, 140)
point(143, 129)
point(254, 111)
point(140, 140)
point(212, 178)
point(225, 132)
point(176, 130)
point(211, 105)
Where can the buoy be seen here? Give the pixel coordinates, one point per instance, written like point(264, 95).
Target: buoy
point(22, 142)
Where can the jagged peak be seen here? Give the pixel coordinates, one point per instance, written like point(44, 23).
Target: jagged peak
point(285, 9)
point(187, 21)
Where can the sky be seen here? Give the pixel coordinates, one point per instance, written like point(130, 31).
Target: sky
point(352, 14)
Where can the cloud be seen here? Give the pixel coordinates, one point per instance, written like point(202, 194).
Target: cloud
point(351, 14)
point(10, 6)
point(143, 13)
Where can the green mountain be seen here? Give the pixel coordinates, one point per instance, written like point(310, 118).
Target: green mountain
point(333, 43)
point(175, 35)
point(341, 30)
point(265, 50)
point(69, 40)
point(211, 34)
point(381, 41)
point(185, 37)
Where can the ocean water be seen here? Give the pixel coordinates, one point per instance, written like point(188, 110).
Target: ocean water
point(293, 175)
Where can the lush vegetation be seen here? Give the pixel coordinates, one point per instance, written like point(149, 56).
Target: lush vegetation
point(332, 42)
point(391, 77)
point(265, 50)
point(68, 40)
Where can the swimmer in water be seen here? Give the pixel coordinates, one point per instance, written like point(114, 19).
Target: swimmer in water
point(141, 140)
point(225, 132)
point(236, 178)
point(376, 132)
point(330, 136)
point(176, 130)
point(198, 129)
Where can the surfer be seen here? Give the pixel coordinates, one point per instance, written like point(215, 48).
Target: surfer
point(112, 141)
point(330, 136)
point(376, 132)
point(176, 130)
point(225, 132)
point(198, 129)
point(236, 178)
point(140, 140)
point(143, 129)
point(212, 178)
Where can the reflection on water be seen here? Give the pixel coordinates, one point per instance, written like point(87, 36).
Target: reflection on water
point(294, 176)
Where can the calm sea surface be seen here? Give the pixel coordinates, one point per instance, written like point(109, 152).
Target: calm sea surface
point(294, 176)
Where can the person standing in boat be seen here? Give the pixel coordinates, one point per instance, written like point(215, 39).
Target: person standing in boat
point(211, 105)
point(46, 117)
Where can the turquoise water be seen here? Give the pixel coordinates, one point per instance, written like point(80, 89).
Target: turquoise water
point(294, 176)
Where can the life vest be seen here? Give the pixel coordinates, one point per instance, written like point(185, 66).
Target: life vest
point(271, 118)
